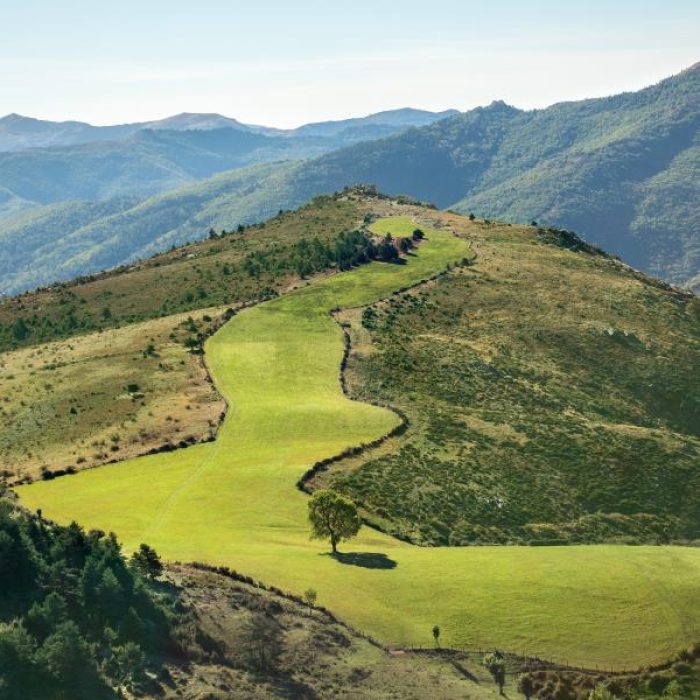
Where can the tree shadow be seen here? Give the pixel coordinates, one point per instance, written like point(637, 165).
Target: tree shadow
point(366, 560)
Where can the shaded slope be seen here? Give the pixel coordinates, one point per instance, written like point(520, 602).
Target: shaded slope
point(65, 240)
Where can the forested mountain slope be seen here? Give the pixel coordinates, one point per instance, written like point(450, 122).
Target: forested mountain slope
point(623, 171)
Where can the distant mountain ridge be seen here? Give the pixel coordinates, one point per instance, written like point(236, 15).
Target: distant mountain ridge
point(98, 163)
point(18, 132)
point(623, 171)
point(395, 117)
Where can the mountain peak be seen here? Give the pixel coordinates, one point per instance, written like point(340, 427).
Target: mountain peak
point(14, 117)
point(501, 106)
point(193, 120)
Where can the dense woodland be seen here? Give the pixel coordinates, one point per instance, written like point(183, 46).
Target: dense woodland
point(76, 618)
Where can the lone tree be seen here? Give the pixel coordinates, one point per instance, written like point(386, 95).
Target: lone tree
point(496, 665)
point(436, 635)
point(333, 517)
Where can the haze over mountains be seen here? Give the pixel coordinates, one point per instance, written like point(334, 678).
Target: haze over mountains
point(623, 171)
point(18, 132)
point(98, 163)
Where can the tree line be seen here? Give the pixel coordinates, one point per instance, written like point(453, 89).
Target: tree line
point(308, 256)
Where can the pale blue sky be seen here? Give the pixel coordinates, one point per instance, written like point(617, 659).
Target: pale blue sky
point(285, 63)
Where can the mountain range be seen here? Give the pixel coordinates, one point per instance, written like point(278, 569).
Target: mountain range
point(623, 171)
point(43, 162)
point(18, 132)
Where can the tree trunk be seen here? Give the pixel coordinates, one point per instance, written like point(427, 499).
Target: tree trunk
point(334, 544)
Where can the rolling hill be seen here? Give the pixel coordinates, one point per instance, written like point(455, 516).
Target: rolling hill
point(469, 398)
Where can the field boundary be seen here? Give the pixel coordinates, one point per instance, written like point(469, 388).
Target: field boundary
point(516, 662)
point(404, 424)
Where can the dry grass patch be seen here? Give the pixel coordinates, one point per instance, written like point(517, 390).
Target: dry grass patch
point(105, 396)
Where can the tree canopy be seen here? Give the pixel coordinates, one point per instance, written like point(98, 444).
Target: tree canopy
point(333, 517)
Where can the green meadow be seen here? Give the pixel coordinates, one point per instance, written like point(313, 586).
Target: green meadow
point(234, 502)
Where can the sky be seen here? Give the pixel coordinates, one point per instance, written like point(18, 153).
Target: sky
point(287, 63)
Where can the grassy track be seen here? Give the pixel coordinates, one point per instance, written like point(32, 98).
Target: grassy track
point(234, 502)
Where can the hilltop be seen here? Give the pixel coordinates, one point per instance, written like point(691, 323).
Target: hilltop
point(622, 171)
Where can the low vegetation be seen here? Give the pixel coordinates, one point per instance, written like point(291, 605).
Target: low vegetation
point(552, 396)
point(106, 396)
point(260, 644)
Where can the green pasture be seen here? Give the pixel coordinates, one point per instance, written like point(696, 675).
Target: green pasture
point(234, 502)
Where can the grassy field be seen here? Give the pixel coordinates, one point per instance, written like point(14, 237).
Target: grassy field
point(234, 502)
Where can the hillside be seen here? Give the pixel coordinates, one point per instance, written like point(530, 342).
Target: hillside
point(148, 162)
point(552, 395)
point(69, 354)
point(623, 171)
point(235, 501)
point(106, 627)
point(62, 241)
point(105, 396)
point(214, 272)
point(602, 364)
point(140, 160)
